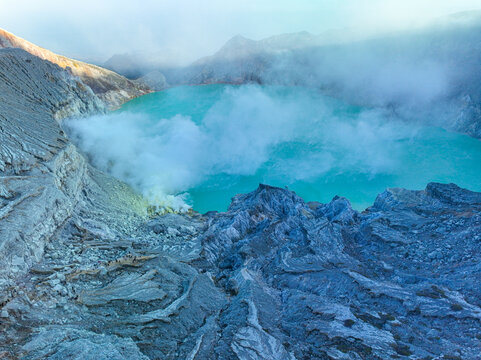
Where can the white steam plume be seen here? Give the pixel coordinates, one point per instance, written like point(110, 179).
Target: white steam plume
point(162, 158)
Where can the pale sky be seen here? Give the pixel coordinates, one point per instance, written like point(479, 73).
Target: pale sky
point(188, 29)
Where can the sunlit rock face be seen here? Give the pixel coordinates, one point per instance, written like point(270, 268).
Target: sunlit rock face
point(111, 88)
point(41, 174)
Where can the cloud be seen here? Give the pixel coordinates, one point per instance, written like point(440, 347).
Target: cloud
point(297, 134)
point(188, 29)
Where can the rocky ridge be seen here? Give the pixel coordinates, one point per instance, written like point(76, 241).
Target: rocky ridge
point(272, 278)
point(41, 172)
point(113, 89)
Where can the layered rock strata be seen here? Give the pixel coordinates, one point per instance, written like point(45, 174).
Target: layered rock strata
point(272, 278)
point(112, 88)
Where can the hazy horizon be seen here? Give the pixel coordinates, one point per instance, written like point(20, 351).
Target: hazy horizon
point(185, 30)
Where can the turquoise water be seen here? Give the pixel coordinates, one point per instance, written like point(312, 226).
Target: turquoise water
point(212, 142)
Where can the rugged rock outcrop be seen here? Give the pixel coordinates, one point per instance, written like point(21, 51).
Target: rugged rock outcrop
point(323, 281)
point(155, 80)
point(272, 278)
point(113, 89)
point(41, 174)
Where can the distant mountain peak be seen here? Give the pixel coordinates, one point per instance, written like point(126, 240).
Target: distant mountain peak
point(238, 38)
point(237, 41)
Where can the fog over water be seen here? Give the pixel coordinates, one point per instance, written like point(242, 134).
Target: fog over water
point(346, 119)
point(361, 106)
point(205, 144)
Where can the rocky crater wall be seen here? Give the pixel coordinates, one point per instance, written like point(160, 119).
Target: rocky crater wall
point(41, 174)
point(112, 88)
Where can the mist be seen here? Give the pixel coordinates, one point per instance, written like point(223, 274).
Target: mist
point(242, 131)
point(413, 68)
point(429, 74)
point(178, 32)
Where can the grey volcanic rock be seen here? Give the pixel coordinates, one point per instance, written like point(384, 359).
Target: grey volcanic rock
point(155, 80)
point(70, 343)
point(468, 120)
point(33, 94)
point(323, 281)
point(45, 182)
point(272, 278)
point(41, 174)
point(113, 89)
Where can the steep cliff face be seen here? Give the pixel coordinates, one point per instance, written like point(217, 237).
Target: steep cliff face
point(41, 174)
point(113, 89)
